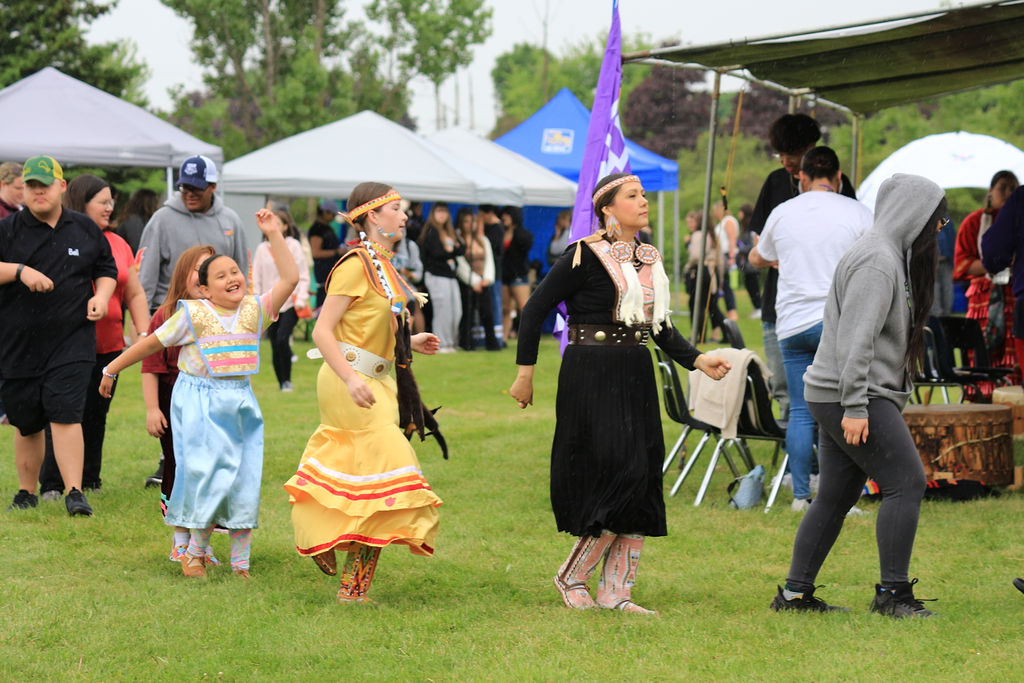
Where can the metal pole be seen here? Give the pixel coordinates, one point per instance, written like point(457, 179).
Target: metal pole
point(854, 157)
point(170, 182)
point(698, 298)
point(675, 241)
point(661, 222)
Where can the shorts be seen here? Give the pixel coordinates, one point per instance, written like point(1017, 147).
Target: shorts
point(518, 281)
point(56, 396)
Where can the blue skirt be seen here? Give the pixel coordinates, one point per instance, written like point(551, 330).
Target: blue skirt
point(218, 448)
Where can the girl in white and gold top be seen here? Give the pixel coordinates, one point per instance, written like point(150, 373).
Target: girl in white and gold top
point(216, 420)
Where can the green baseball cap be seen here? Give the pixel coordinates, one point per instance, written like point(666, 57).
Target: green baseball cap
point(43, 169)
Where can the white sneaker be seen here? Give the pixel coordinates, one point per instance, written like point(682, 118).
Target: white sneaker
point(787, 481)
point(857, 512)
point(800, 504)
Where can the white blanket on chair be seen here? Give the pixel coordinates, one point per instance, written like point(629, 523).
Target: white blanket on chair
point(719, 402)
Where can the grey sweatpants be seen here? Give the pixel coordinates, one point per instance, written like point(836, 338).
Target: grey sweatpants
point(891, 459)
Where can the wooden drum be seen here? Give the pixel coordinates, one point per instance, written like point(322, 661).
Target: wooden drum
point(964, 441)
point(1013, 397)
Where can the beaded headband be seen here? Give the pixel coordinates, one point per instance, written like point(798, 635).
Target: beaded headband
point(355, 213)
point(613, 184)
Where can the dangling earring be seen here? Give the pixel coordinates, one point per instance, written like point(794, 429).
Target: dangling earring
point(612, 226)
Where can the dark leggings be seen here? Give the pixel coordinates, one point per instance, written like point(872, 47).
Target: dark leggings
point(280, 334)
point(890, 458)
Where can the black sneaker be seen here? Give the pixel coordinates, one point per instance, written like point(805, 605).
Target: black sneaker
point(806, 602)
point(1019, 584)
point(23, 500)
point(899, 602)
point(157, 478)
point(76, 504)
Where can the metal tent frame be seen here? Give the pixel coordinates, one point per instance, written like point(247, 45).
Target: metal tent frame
point(862, 68)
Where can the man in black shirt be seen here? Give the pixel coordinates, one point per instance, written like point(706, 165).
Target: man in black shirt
point(791, 136)
point(325, 246)
point(51, 259)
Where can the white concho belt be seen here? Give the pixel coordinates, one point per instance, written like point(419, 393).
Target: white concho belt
point(361, 360)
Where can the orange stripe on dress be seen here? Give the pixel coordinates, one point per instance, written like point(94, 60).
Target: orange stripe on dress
point(360, 538)
point(370, 496)
point(341, 483)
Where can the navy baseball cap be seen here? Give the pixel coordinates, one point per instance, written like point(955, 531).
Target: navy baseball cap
point(198, 171)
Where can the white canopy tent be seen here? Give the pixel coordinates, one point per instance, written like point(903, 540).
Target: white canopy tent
point(950, 160)
point(541, 187)
point(331, 160)
point(52, 113)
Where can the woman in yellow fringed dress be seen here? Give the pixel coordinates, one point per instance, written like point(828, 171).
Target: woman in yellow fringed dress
point(359, 486)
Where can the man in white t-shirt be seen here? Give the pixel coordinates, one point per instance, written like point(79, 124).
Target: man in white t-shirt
point(805, 237)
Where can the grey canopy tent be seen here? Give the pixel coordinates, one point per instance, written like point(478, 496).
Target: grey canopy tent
point(865, 67)
point(52, 113)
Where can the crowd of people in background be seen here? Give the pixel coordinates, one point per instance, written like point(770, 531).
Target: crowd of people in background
point(476, 270)
point(156, 276)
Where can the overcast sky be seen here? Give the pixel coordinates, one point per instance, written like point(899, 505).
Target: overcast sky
point(162, 38)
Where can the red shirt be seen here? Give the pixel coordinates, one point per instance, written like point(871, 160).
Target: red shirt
point(110, 330)
point(165, 363)
point(966, 251)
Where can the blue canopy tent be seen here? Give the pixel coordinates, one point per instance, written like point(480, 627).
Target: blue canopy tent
point(554, 137)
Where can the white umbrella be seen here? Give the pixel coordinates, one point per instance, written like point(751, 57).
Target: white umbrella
point(951, 160)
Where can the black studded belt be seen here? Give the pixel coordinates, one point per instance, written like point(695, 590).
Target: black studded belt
point(585, 334)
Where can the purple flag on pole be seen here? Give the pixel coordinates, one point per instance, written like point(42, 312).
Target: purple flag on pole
point(605, 150)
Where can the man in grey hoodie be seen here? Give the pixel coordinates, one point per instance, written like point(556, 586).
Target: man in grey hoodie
point(872, 335)
point(192, 217)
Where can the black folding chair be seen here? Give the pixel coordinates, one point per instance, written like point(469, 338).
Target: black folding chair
point(756, 422)
point(929, 375)
point(964, 337)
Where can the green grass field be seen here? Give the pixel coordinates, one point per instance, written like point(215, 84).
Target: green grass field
point(97, 599)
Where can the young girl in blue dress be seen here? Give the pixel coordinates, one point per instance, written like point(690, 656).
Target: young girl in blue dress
point(217, 423)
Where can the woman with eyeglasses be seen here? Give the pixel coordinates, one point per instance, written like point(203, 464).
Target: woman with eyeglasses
point(91, 195)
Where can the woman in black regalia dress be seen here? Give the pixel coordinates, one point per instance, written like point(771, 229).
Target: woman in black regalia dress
point(606, 458)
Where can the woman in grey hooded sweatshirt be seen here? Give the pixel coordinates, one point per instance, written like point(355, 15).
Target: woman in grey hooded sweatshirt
point(857, 386)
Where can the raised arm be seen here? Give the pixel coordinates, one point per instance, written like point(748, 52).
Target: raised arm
point(273, 228)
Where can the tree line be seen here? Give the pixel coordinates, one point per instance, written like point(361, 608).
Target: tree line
point(274, 68)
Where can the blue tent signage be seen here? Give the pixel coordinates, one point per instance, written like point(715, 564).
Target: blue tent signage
point(549, 136)
point(557, 141)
